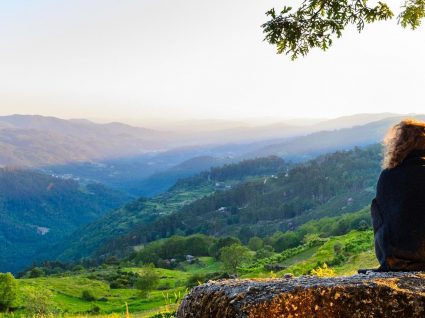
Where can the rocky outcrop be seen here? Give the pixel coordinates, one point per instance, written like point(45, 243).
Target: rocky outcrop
point(364, 295)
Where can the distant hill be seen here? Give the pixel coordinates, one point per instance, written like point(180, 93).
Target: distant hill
point(309, 146)
point(32, 141)
point(261, 124)
point(37, 210)
point(352, 120)
point(73, 127)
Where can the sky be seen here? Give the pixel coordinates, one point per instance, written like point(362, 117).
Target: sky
point(141, 60)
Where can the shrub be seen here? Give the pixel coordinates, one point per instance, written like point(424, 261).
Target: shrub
point(363, 225)
point(338, 248)
point(311, 238)
point(255, 243)
point(323, 271)
point(8, 291)
point(215, 248)
point(78, 268)
point(338, 260)
point(164, 286)
point(286, 240)
point(87, 295)
point(148, 280)
point(36, 272)
point(195, 280)
point(94, 310)
point(266, 252)
point(39, 303)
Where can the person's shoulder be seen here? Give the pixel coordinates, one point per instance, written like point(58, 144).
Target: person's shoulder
point(386, 175)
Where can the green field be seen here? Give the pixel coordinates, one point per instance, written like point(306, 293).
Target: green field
point(67, 288)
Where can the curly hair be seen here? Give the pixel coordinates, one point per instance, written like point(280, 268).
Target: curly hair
point(401, 139)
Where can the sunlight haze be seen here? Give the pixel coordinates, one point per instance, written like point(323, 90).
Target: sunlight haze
point(138, 61)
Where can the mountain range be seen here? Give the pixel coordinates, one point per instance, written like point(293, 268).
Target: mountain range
point(146, 162)
point(94, 189)
point(32, 141)
point(38, 141)
point(306, 147)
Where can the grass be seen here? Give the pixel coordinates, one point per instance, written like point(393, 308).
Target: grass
point(363, 260)
point(207, 265)
point(67, 291)
point(301, 256)
point(356, 246)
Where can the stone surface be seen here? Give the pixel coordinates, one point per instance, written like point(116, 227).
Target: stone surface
point(365, 295)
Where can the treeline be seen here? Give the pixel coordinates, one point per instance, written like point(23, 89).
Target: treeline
point(322, 228)
point(168, 253)
point(330, 184)
point(173, 251)
point(236, 171)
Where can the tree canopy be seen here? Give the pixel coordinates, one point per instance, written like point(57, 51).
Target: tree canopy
point(8, 291)
point(234, 256)
point(316, 23)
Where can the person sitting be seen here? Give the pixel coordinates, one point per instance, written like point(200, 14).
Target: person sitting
point(398, 210)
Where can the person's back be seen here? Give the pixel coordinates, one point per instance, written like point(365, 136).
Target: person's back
point(398, 211)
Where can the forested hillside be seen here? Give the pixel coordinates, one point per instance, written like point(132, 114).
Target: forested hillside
point(329, 185)
point(88, 239)
point(37, 209)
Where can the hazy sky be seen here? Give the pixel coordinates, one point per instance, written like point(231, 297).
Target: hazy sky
point(179, 59)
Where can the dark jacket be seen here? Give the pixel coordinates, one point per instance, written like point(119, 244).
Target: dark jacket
point(398, 215)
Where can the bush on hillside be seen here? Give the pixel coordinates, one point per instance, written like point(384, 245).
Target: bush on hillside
point(255, 243)
point(215, 248)
point(87, 295)
point(148, 280)
point(36, 272)
point(39, 303)
point(8, 291)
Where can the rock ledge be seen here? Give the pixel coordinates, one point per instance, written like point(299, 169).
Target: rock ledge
point(366, 295)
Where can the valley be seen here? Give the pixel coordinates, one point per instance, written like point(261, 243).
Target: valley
point(143, 230)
